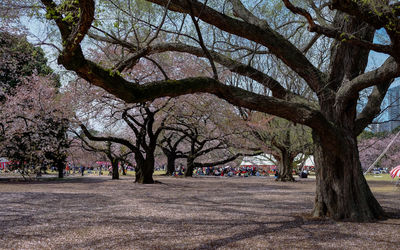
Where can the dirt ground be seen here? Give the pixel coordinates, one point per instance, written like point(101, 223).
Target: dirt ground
point(192, 213)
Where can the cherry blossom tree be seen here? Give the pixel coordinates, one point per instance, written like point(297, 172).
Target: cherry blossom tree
point(34, 124)
point(113, 152)
point(371, 148)
point(77, 155)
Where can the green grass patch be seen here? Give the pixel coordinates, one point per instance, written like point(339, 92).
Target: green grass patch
point(379, 177)
point(157, 172)
point(385, 189)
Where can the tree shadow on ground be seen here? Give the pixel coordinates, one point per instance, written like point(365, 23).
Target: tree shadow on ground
point(37, 208)
point(170, 240)
point(176, 214)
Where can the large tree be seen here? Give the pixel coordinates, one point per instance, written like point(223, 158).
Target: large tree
point(113, 152)
point(32, 135)
point(281, 138)
point(208, 132)
point(169, 144)
point(34, 123)
point(143, 125)
point(342, 191)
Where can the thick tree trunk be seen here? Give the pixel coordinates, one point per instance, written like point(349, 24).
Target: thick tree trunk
point(170, 165)
point(285, 166)
point(60, 168)
point(189, 167)
point(144, 171)
point(342, 192)
point(115, 172)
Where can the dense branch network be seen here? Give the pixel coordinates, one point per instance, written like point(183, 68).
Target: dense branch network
point(344, 37)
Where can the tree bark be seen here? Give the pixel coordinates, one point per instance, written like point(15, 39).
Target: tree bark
point(170, 164)
point(115, 172)
point(189, 167)
point(145, 170)
point(60, 168)
point(285, 166)
point(342, 192)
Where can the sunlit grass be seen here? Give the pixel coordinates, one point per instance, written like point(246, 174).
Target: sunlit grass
point(380, 177)
point(385, 189)
point(157, 172)
point(389, 184)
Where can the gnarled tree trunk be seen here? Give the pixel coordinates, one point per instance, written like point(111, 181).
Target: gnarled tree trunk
point(144, 171)
point(115, 172)
point(189, 167)
point(170, 164)
point(342, 191)
point(60, 168)
point(285, 172)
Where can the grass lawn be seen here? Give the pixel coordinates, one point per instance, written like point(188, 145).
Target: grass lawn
point(93, 212)
point(381, 177)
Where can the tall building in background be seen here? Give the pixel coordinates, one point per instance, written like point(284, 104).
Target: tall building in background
point(394, 107)
point(391, 119)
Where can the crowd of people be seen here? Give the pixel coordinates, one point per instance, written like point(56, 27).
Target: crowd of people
point(233, 171)
point(242, 171)
point(227, 171)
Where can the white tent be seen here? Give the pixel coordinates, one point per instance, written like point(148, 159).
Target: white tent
point(309, 161)
point(269, 160)
point(258, 160)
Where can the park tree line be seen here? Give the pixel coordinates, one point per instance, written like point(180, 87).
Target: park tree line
point(33, 122)
point(38, 119)
point(254, 51)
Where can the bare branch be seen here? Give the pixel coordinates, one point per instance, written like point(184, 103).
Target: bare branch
point(201, 42)
point(386, 73)
point(276, 43)
point(337, 34)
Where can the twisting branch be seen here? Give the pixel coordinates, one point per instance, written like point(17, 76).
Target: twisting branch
point(234, 66)
point(158, 66)
point(381, 76)
point(201, 42)
point(337, 34)
point(224, 161)
point(311, 43)
point(72, 35)
point(160, 25)
point(124, 142)
point(240, 11)
point(373, 106)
